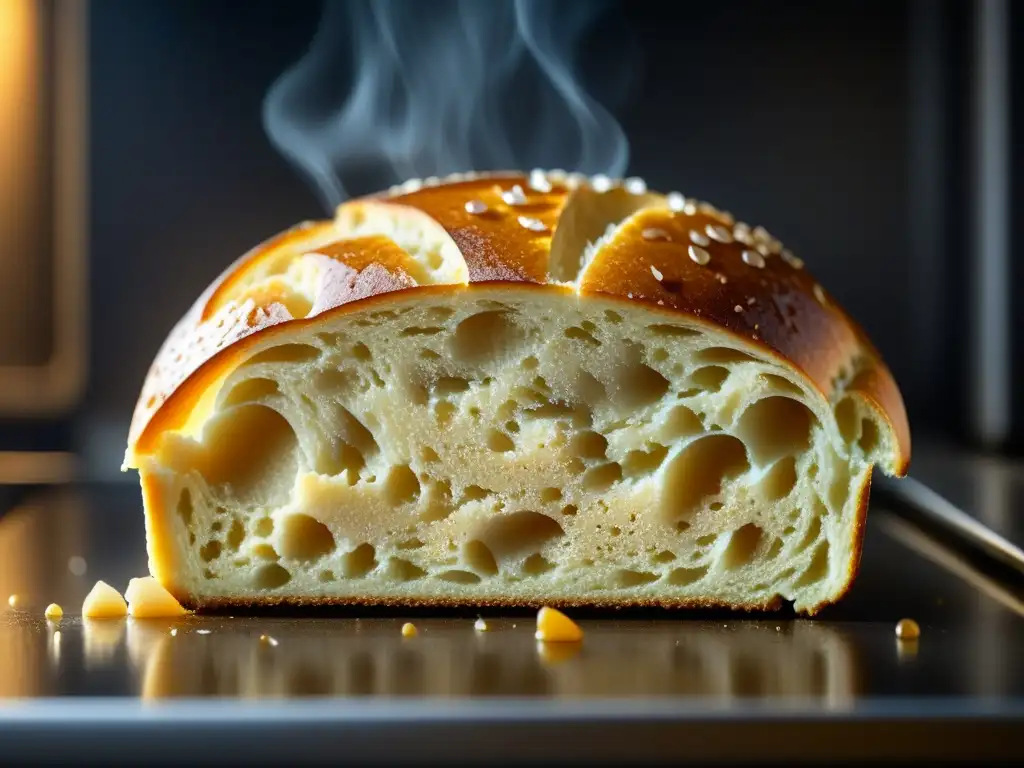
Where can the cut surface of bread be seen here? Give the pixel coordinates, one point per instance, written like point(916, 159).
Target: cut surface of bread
point(515, 390)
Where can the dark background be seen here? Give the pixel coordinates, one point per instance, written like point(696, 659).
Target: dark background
point(844, 127)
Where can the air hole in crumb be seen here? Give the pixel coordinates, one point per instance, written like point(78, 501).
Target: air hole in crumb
point(578, 334)
point(680, 422)
point(402, 570)
point(536, 565)
point(846, 418)
point(326, 576)
point(244, 447)
point(529, 363)
point(682, 526)
point(817, 569)
point(451, 385)
point(589, 390)
point(839, 490)
point(305, 538)
point(217, 526)
point(270, 576)
point(512, 534)
point(549, 495)
point(774, 550)
point(782, 385)
point(432, 330)
point(361, 352)
point(589, 445)
point(485, 337)
point(664, 557)
point(439, 501)
point(699, 471)
point(331, 340)
point(184, 507)
point(359, 562)
point(659, 355)
point(868, 436)
point(706, 540)
point(625, 578)
point(340, 459)
point(570, 510)
point(410, 544)
point(236, 535)
point(286, 353)
point(499, 442)
point(440, 314)
point(601, 478)
point(265, 551)
point(210, 550)
point(474, 493)
point(672, 331)
point(459, 577)
point(428, 454)
point(681, 577)
point(639, 385)
point(780, 480)
point(250, 391)
point(722, 356)
point(775, 427)
point(443, 412)
point(640, 463)
point(479, 557)
point(742, 546)
point(612, 316)
point(512, 426)
point(401, 486)
point(428, 354)
point(710, 379)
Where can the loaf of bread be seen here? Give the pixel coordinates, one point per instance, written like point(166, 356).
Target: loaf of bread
point(514, 390)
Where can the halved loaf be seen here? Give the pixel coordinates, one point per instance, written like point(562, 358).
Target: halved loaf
point(514, 390)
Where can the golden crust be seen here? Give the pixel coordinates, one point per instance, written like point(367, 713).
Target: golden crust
point(493, 243)
point(766, 296)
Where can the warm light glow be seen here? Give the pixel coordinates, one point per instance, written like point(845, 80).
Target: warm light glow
point(20, 137)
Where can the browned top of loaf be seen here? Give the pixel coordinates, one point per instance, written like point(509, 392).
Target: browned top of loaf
point(673, 255)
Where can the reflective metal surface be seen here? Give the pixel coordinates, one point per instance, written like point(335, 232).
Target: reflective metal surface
point(845, 666)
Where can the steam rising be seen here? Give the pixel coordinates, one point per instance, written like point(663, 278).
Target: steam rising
point(407, 89)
